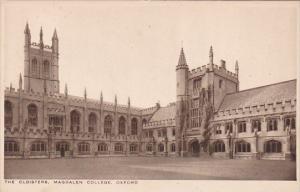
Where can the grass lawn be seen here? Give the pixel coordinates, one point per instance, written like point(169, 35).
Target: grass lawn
point(154, 168)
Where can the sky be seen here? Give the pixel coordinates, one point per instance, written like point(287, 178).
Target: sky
point(132, 48)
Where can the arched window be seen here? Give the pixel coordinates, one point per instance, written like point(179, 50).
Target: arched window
point(11, 147)
point(75, 121)
point(293, 126)
point(133, 147)
point(32, 115)
point(62, 146)
point(122, 125)
point(92, 122)
point(149, 147)
point(8, 114)
point(83, 147)
point(118, 147)
point(242, 146)
point(272, 124)
point(161, 147)
point(173, 147)
point(272, 146)
point(144, 122)
point(34, 66)
point(219, 146)
point(134, 126)
point(38, 146)
point(46, 68)
point(107, 124)
point(102, 147)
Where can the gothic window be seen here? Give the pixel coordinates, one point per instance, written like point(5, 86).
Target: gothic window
point(102, 147)
point(149, 147)
point(34, 66)
point(256, 124)
point(272, 125)
point(150, 133)
point(11, 147)
point(62, 146)
point(118, 147)
point(32, 115)
point(219, 146)
point(8, 114)
point(92, 122)
point(290, 122)
point(55, 123)
point(38, 146)
point(107, 124)
point(164, 132)
point(242, 128)
point(218, 130)
point(75, 121)
point(220, 83)
point(242, 146)
point(196, 84)
point(173, 132)
point(228, 128)
point(134, 126)
point(144, 122)
point(161, 147)
point(173, 147)
point(272, 146)
point(158, 133)
point(122, 125)
point(46, 68)
point(83, 147)
point(133, 148)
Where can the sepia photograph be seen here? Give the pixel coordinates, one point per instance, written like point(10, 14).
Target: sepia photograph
point(111, 93)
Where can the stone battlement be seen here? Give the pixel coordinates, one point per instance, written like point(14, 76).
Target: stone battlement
point(278, 106)
point(157, 124)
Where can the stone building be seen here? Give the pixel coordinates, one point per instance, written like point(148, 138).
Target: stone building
point(210, 116)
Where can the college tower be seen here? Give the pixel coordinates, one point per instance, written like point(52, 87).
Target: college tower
point(211, 117)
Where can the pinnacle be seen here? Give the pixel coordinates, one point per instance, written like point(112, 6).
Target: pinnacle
point(182, 60)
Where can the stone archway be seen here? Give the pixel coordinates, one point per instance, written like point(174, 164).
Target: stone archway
point(194, 148)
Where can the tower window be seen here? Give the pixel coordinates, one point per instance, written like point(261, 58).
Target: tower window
point(34, 67)
point(46, 66)
point(196, 84)
point(220, 83)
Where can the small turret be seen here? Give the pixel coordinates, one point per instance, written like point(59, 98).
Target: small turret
point(211, 55)
point(41, 39)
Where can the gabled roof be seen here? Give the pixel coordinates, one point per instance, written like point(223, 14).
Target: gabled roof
point(260, 95)
point(164, 113)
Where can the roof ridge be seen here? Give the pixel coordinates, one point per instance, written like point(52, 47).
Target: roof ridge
point(261, 86)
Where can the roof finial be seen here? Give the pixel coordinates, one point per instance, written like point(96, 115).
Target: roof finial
point(20, 82)
point(54, 34)
point(211, 55)
point(66, 90)
point(182, 60)
point(27, 30)
point(41, 38)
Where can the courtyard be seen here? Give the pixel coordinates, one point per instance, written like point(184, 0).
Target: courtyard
point(150, 168)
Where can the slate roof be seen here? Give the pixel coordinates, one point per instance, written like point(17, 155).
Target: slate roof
point(164, 113)
point(260, 95)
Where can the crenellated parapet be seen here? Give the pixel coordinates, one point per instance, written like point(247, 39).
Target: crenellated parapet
point(159, 124)
point(219, 70)
point(284, 106)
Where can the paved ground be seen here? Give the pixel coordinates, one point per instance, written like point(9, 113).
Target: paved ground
point(150, 168)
